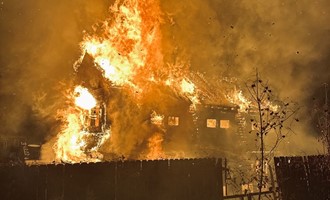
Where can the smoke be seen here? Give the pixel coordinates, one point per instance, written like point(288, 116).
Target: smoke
point(39, 44)
point(287, 41)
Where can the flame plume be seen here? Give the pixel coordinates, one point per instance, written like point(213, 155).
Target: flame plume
point(155, 147)
point(84, 99)
point(73, 140)
point(157, 119)
point(125, 50)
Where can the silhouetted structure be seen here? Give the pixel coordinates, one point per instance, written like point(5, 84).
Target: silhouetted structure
point(303, 178)
point(160, 179)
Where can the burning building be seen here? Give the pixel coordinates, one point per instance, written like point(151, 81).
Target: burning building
point(141, 89)
point(127, 101)
point(174, 126)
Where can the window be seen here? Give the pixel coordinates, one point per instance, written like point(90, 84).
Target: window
point(224, 123)
point(173, 121)
point(211, 123)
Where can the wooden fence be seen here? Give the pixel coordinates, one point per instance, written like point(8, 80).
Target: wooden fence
point(192, 179)
point(302, 178)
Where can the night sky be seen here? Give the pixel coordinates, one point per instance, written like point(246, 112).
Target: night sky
point(288, 41)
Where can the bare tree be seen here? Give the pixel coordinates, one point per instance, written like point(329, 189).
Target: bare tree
point(323, 121)
point(271, 116)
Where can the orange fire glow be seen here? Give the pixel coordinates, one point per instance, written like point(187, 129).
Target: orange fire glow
point(125, 50)
point(83, 98)
point(155, 147)
point(73, 138)
point(157, 119)
point(187, 87)
point(128, 50)
point(236, 97)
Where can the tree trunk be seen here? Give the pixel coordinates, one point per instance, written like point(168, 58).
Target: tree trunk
point(262, 165)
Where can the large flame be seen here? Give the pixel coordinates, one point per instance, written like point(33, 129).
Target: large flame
point(127, 42)
point(236, 97)
point(83, 98)
point(189, 90)
point(128, 50)
point(187, 87)
point(155, 147)
point(72, 141)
